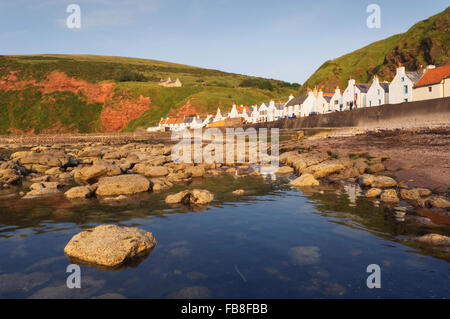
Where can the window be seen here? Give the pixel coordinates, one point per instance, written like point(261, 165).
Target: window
point(370, 103)
point(378, 91)
point(335, 102)
point(430, 89)
point(405, 89)
point(405, 100)
point(403, 79)
point(379, 102)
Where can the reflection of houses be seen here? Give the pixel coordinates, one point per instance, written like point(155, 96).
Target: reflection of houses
point(401, 87)
point(171, 84)
point(434, 84)
point(378, 93)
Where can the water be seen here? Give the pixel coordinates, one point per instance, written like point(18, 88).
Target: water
point(275, 242)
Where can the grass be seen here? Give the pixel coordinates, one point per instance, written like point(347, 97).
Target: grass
point(426, 42)
point(204, 89)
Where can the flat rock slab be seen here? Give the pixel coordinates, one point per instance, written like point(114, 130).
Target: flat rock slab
point(109, 245)
point(122, 185)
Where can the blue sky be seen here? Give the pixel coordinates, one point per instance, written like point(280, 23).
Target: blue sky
point(286, 40)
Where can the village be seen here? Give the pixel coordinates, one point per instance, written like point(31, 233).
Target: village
point(430, 83)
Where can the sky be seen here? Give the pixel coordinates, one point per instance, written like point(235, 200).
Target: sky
point(284, 39)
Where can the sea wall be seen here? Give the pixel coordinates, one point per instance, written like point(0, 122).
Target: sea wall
point(421, 114)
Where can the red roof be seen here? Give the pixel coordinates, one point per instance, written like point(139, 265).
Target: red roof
point(171, 121)
point(434, 76)
point(163, 121)
point(242, 109)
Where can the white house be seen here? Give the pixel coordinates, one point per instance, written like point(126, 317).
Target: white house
point(336, 101)
point(219, 116)
point(434, 84)
point(378, 94)
point(401, 87)
point(320, 104)
point(307, 106)
point(294, 105)
point(354, 96)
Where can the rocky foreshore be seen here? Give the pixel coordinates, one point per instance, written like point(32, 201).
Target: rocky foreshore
point(82, 171)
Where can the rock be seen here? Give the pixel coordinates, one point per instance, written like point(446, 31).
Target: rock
point(238, 192)
point(122, 185)
point(180, 176)
point(410, 194)
point(231, 171)
point(109, 245)
point(79, 192)
point(383, 182)
point(305, 180)
point(435, 239)
point(284, 156)
point(285, 170)
point(325, 168)
point(424, 192)
point(181, 197)
point(195, 196)
point(91, 174)
point(9, 176)
point(302, 161)
point(151, 171)
point(53, 171)
point(196, 171)
point(20, 154)
point(48, 159)
point(41, 192)
point(201, 197)
point(160, 183)
point(376, 168)
point(366, 180)
point(389, 196)
point(361, 165)
point(37, 186)
point(373, 192)
point(438, 202)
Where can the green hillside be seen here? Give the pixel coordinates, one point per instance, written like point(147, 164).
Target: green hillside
point(427, 42)
point(82, 93)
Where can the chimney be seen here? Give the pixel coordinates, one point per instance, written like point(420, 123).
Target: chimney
point(290, 97)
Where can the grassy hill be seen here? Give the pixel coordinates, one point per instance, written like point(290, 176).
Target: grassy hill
point(427, 42)
point(83, 93)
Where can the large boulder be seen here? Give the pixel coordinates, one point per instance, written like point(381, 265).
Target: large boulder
point(195, 197)
point(109, 245)
point(196, 171)
point(305, 180)
point(122, 185)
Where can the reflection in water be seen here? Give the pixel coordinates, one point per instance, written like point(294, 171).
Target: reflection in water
point(273, 242)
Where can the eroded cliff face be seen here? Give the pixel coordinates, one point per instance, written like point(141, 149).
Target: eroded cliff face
point(118, 110)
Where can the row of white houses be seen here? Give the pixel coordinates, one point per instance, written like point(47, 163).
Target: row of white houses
point(433, 82)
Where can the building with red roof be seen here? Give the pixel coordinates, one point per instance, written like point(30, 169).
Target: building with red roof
point(434, 84)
